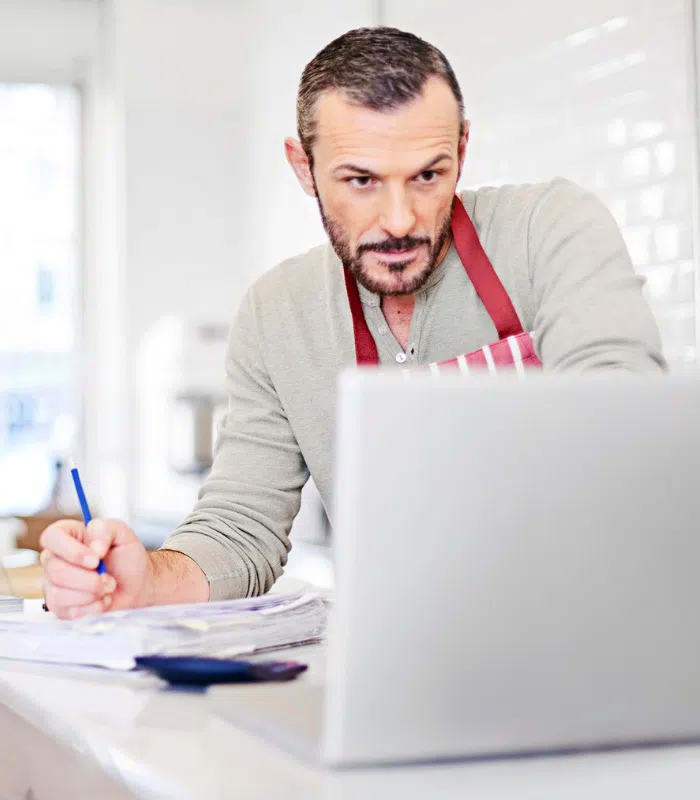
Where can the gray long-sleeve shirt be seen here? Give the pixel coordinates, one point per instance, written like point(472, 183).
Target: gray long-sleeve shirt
point(564, 264)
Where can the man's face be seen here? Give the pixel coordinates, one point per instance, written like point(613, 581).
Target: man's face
point(385, 183)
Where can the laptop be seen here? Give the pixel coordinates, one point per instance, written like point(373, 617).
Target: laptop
point(517, 572)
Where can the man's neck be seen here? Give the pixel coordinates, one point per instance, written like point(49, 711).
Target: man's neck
point(398, 312)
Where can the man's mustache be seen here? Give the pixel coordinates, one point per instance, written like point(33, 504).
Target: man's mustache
point(393, 244)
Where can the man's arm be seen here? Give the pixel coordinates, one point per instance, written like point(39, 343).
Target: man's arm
point(236, 540)
point(238, 533)
point(174, 578)
point(590, 313)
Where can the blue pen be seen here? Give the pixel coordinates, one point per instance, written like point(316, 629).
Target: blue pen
point(87, 517)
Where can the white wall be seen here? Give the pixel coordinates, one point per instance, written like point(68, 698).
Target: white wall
point(48, 41)
point(187, 180)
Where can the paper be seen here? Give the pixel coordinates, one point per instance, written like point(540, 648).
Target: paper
point(224, 629)
point(9, 603)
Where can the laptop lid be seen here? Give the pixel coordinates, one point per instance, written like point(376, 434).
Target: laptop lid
point(517, 566)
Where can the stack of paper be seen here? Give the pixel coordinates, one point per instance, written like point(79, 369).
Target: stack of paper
point(223, 629)
point(9, 603)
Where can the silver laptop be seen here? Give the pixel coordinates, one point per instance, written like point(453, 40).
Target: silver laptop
point(517, 569)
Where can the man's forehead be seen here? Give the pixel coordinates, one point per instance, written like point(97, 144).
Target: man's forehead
point(429, 122)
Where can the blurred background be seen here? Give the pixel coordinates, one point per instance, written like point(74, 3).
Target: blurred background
point(143, 186)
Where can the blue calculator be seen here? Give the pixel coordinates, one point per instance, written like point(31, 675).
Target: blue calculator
point(200, 671)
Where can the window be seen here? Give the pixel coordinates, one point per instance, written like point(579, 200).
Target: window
point(39, 288)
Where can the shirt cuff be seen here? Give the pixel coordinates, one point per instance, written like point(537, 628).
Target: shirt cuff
point(214, 562)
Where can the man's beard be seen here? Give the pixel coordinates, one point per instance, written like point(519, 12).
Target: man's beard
point(353, 262)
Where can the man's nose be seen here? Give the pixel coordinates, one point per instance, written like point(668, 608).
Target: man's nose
point(397, 218)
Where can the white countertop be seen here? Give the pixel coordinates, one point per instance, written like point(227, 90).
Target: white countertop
point(164, 743)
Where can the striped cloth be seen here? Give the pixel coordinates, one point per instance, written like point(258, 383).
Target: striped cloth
point(513, 352)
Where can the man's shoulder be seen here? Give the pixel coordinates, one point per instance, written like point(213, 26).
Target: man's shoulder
point(514, 203)
point(293, 278)
point(300, 306)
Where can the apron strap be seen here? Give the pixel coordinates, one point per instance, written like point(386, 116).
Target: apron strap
point(482, 274)
point(365, 347)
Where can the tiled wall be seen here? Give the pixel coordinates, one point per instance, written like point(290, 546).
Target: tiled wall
point(600, 94)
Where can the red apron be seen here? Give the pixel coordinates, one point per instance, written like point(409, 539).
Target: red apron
point(514, 348)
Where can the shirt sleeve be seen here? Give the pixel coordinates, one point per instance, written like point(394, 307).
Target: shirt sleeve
point(590, 312)
point(238, 532)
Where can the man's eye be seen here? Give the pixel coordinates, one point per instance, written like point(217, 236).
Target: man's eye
point(428, 176)
point(360, 181)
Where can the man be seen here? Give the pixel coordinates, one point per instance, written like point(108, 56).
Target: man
point(382, 142)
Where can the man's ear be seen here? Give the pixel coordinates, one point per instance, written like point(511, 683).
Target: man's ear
point(300, 164)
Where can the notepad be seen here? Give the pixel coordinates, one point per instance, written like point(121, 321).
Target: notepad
point(222, 629)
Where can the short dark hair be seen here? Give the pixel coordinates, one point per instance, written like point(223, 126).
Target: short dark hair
point(378, 68)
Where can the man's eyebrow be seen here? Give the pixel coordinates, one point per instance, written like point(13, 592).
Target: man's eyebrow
point(435, 162)
point(368, 172)
point(355, 168)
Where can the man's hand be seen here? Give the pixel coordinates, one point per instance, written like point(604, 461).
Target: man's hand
point(70, 555)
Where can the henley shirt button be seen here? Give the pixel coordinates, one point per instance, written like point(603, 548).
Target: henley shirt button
point(401, 357)
point(383, 330)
